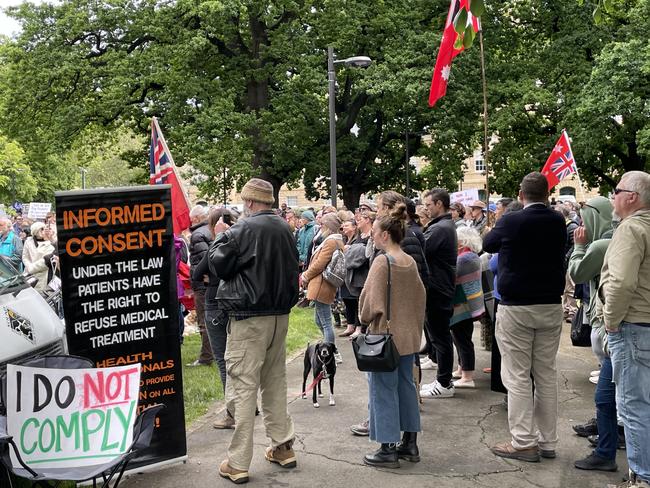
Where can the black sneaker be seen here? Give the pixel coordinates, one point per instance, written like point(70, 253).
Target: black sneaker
point(593, 462)
point(586, 429)
point(620, 443)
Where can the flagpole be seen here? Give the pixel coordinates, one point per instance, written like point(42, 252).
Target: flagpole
point(485, 120)
point(154, 120)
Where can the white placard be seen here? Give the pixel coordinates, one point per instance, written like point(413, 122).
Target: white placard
point(38, 211)
point(465, 197)
point(63, 418)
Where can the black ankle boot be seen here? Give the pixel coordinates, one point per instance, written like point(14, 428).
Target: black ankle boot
point(384, 457)
point(408, 448)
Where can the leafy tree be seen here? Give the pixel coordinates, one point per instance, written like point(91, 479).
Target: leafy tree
point(17, 183)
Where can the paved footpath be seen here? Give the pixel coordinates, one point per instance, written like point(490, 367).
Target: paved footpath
point(454, 445)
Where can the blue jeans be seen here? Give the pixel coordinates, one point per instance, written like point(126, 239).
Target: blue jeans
point(606, 412)
point(393, 402)
point(630, 351)
point(323, 317)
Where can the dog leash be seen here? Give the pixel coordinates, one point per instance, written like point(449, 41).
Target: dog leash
point(314, 383)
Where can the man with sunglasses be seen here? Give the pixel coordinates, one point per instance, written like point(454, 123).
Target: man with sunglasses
point(625, 295)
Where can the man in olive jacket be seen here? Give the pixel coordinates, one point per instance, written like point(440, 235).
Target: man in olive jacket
point(257, 262)
point(625, 294)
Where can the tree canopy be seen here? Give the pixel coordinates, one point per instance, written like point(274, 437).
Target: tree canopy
point(240, 88)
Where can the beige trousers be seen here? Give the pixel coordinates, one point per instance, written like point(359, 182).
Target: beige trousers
point(569, 303)
point(256, 360)
point(528, 338)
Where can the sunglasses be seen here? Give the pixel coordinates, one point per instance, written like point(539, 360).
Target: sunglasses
point(621, 190)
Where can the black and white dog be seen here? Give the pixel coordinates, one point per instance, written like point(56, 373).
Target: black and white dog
point(320, 358)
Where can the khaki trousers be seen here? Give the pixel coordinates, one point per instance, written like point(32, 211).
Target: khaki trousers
point(569, 303)
point(529, 337)
point(256, 360)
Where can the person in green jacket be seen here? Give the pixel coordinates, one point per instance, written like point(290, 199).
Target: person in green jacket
point(305, 236)
point(591, 241)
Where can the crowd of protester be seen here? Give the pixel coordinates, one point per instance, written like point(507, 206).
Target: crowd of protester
point(517, 270)
point(29, 246)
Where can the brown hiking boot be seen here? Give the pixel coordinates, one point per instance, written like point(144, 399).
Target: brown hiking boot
point(237, 476)
point(506, 450)
point(227, 422)
point(282, 454)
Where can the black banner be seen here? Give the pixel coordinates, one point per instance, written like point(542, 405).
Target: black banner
point(118, 274)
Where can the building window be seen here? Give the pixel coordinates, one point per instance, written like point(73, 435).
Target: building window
point(292, 201)
point(479, 164)
point(568, 190)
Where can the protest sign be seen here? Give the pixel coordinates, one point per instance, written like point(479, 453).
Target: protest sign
point(118, 273)
point(62, 418)
point(465, 197)
point(38, 211)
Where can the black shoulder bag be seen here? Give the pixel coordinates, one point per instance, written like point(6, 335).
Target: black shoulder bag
point(377, 353)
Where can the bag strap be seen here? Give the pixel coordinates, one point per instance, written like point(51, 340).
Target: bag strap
point(388, 287)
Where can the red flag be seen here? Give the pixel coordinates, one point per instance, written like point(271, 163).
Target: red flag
point(163, 171)
point(560, 163)
point(447, 50)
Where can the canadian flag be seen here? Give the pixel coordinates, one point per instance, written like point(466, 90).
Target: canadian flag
point(447, 50)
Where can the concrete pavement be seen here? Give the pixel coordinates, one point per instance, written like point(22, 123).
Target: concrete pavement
point(454, 445)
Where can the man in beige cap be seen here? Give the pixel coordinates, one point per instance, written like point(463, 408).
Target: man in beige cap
point(479, 219)
point(257, 262)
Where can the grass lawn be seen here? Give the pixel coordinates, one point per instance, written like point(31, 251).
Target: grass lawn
point(202, 384)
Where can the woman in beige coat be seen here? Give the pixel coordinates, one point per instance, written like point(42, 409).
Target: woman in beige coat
point(319, 290)
point(393, 401)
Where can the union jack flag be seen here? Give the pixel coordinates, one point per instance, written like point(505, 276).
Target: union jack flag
point(162, 171)
point(561, 163)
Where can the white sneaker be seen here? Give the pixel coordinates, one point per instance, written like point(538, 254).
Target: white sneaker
point(337, 358)
point(436, 390)
point(428, 364)
point(460, 383)
point(595, 372)
point(594, 379)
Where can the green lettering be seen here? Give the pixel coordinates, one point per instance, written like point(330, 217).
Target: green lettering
point(87, 431)
point(23, 448)
point(125, 423)
point(41, 446)
point(107, 431)
point(67, 431)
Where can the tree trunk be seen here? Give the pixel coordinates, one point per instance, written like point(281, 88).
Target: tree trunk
point(351, 195)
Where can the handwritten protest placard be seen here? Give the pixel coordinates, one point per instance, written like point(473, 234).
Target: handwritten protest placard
point(465, 197)
point(71, 417)
point(38, 210)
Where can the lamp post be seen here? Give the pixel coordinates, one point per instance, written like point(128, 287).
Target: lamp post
point(83, 172)
point(357, 62)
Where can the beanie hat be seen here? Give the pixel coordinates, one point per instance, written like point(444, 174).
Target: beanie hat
point(258, 190)
point(308, 215)
point(331, 221)
point(36, 226)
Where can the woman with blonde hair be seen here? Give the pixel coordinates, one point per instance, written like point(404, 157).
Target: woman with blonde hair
point(393, 400)
point(318, 289)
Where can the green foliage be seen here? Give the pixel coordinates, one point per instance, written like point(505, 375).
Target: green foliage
point(17, 183)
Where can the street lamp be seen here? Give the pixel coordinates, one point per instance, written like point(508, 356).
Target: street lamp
point(83, 172)
point(355, 62)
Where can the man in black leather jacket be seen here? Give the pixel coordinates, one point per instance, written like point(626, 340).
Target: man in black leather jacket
point(440, 251)
point(257, 262)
